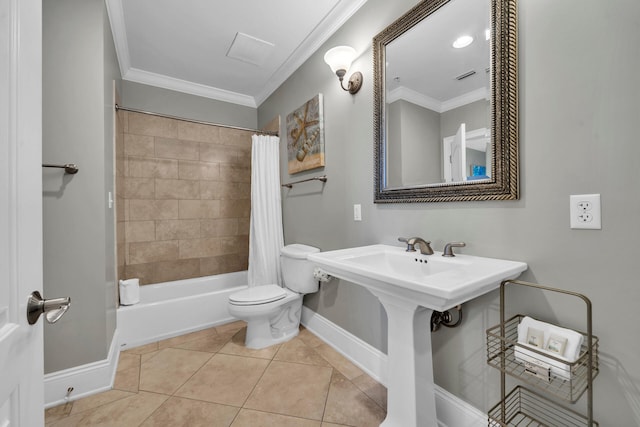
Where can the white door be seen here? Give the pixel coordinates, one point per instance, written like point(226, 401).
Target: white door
point(459, 156)
point(21, 353)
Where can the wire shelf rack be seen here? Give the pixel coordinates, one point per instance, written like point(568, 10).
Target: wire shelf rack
point(568, 389)
point(523, 406)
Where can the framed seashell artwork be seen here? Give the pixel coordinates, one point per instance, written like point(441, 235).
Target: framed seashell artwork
point(305, 136)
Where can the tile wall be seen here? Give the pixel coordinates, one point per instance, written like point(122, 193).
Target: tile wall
point(183, 198)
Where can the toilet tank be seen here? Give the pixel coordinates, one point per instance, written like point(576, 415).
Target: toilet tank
point(297, 272)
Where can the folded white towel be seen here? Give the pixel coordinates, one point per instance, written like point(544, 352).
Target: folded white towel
point(571, 350)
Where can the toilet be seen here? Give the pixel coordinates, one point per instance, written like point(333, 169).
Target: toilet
point(272, 312)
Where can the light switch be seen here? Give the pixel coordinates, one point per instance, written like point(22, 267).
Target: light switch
point(357, 212)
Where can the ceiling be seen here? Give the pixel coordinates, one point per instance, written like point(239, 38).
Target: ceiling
point(423, 66)
point(233, 51)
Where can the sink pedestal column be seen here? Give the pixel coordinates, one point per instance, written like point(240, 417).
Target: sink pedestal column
point(410, 391)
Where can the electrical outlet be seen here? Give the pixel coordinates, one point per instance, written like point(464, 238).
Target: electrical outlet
point(357, 212)
point(584, 211)
point(585, 205)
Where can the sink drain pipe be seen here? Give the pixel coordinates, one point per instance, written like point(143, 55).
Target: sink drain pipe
point(445, 318)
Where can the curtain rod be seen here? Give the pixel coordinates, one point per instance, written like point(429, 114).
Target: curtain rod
point(200, 122)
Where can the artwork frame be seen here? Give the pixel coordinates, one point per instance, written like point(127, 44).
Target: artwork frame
point(305, 136)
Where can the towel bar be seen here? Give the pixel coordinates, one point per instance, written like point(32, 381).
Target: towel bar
point(322, 178)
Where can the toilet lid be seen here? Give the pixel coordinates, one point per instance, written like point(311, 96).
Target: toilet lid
point(258, 295)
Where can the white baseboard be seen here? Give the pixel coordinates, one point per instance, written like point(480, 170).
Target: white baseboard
point(86, 379)
point(363, 355)
point(455, 412)
point(452, 411)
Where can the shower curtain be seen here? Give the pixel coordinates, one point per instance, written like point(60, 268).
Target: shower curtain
point(265, 234)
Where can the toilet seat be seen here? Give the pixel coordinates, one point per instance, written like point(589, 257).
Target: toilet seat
point(258, 295)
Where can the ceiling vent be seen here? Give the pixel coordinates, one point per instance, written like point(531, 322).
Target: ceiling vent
point(465, 75)
point(250, 49)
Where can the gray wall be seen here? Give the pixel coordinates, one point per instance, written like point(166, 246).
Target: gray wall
point(475, 115)
point(421, 144)
point(415, 136)
point(79, 65)
point(579, 110)
point(164, 101)
point(112, 84)
point(394, 151)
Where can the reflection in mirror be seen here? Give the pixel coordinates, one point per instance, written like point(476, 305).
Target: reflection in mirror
point(435, 91)
point(435, 138)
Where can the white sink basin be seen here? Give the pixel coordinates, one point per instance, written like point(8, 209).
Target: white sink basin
point(433, 281)
point(410, 286)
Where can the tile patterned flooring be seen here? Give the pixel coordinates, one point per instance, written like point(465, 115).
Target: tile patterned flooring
point(208, 378)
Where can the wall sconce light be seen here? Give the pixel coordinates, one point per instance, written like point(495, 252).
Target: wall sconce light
point(339, 59)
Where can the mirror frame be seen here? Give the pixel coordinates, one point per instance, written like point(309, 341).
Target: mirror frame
point(504, 112)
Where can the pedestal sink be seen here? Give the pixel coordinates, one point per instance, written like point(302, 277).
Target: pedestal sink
point(410, 286)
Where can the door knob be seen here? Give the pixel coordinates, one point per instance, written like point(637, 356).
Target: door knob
point(54, 308)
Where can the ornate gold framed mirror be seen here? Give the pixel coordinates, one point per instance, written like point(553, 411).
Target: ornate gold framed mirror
point(446, 106)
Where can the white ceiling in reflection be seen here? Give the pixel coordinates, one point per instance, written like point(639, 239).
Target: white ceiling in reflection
point(422, 64)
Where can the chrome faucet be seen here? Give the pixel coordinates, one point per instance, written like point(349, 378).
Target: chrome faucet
point(425, 245)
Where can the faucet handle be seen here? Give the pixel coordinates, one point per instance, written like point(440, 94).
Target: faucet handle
point(448, 248)
point(409, 242)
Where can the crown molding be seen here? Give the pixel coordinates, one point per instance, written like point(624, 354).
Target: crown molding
point(340, 13)
point(414, 97)
point(432, 103)
point(171, 83)
point(119, 33)
point(464, 99)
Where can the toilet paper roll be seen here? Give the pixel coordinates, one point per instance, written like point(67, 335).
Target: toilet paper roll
point(129, 291)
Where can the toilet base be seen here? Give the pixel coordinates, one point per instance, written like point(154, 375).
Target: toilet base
point(259, 335)
point(271, 327)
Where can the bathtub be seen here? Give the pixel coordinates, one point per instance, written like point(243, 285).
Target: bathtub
point(174, 308)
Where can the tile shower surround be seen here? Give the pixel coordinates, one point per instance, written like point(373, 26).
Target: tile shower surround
point(182, 198)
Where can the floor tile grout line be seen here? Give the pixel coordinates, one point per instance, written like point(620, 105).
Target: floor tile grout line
point(271, 360)
point(89, 411)
point(256, 384)
point(235, 417)
point(202, 366)
point(173, 394)
point(370, 397)
point(326, 398)
point(288, 415)
point(101, 405)
point(155, 410)
point(194, 373)
point(298, 417)
point(139, 372)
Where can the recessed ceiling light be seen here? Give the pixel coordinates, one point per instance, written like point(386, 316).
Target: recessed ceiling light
point(462, 41)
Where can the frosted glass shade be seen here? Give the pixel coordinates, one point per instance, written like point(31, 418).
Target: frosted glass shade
point(340, 58)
